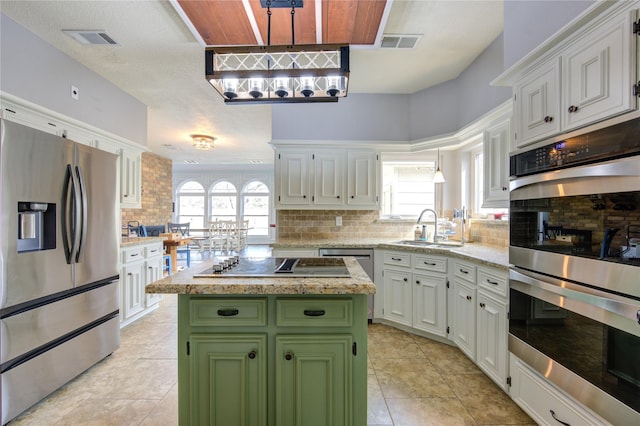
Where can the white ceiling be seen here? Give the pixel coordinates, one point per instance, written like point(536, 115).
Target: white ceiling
point(159, 62)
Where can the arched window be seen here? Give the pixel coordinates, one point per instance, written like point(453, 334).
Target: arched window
point(224, 197)
point(191, 204)
point(255, 203)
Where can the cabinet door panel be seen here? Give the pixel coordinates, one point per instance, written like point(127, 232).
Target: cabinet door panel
point(329, 179)
point(538, 106)
point(133, 276)
point(464, 312)
point(430, 303)
point(154, 273)
point(228, 379)
point(313, 380)
point(597, 75)
point(293, 177)
point(397, 296)
point(492, 338)
point(496, 157)
point(362, 178)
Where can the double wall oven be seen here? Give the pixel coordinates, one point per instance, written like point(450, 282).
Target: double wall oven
point(575, 276)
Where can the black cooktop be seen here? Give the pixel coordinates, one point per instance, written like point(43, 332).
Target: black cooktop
point(281, 267)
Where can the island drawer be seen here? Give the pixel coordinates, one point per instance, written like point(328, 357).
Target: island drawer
point(314, 312)
point(227, 312)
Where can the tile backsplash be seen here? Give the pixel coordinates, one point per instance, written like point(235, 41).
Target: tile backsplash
point(366, 224)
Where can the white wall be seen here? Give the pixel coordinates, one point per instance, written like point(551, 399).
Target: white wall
point(33, 70)
point(528, 23)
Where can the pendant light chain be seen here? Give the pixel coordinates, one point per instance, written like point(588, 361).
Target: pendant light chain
point(293, 13)
point(268, 22)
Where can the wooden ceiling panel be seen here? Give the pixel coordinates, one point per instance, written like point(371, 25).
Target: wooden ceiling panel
point(220, 22)
point(305, 23)
point(225, 22)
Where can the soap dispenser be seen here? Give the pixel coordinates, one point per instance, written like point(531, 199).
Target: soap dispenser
point(417, 233)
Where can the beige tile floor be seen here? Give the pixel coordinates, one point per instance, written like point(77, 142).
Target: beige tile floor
point(412, 381)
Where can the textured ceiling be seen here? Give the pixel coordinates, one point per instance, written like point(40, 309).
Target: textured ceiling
point(152, 35)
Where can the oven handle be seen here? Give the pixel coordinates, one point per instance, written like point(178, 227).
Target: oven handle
point(619, 305)
point(623, 167)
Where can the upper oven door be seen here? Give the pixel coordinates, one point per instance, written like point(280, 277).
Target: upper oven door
point(580, 223)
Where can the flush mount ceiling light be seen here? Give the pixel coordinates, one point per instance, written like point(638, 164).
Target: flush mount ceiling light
point(279, 74)
point(203, 142)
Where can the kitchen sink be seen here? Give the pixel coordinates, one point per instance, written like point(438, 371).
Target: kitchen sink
point(422, 243)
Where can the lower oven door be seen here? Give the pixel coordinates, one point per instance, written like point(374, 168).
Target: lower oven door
point(585, 341)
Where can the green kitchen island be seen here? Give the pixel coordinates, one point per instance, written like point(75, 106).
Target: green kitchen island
point(272, 351)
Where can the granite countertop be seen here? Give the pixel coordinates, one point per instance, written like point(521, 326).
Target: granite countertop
point(493, 256)
point(135, 241)
point(184, 283)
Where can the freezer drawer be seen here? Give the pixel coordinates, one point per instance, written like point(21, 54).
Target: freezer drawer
point(28, 383)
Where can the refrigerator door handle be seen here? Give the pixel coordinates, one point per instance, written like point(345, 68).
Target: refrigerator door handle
point(65, 215)
point(82, 214)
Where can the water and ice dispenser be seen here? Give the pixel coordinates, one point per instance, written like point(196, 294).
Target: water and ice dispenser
point(36, 226)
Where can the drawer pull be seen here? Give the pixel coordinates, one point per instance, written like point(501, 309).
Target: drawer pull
point(492, 282)
point(154, 251)
point(553, 414)
point(314, 313)
point(228, 312)
point(252, 355)
point(463, 271)
point(288, 356)
point(135, 254)
point(397, 259)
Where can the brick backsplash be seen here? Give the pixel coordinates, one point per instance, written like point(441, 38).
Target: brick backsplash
point(156, 192)
point(365, 224)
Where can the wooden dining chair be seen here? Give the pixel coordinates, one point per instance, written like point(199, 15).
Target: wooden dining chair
point(183, 230)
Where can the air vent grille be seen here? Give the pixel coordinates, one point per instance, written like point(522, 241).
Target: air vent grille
point(95, 37)
point(191, 162)
point(400, 41)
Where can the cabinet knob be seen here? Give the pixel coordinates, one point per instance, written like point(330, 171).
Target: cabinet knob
point(548, 119)
point(405, 279)
point(482, 305)
point(304, 196)
point(468, 297)
point(338, 196)
point(504, 188)
point(573, 108)
point(252, 355)
point(353, 196)
point(288, 356)
point(417, 281)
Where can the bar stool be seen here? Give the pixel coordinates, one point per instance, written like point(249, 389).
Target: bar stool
point(166, 264)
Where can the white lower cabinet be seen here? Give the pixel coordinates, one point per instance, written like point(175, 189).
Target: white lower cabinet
point(141, 265)
point(480, 317)
point(542, 401)
point(415, 291)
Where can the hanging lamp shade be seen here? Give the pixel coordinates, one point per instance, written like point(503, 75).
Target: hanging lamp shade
point(438, 177)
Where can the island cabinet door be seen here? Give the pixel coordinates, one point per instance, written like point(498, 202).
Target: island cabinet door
point(314, 380)
point(228, 382)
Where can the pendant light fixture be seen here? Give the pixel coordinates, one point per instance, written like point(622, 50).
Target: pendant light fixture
point(438, 177)
point(279, 74)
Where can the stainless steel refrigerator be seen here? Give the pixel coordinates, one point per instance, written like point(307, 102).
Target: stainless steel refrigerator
point(58, 263)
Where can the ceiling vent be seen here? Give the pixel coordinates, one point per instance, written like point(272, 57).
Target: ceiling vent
point(400, 41)
point(95, 37)
point(191, 162)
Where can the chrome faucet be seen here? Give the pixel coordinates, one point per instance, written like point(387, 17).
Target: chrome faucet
point(462, 215)
point(435, 225)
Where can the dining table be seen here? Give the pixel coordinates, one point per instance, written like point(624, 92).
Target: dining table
point(171, 247)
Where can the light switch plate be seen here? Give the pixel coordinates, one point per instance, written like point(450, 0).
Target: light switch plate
point(338, 220)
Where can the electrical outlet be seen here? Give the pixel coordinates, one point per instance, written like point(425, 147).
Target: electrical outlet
point(338, 220)
point(75, 93)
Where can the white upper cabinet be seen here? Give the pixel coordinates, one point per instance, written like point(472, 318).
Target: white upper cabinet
point(585, 74)
point(130, 178)
point(496, 157)
point(598, 75)
point(537, 104)
point(326, 178)
point(362, 178)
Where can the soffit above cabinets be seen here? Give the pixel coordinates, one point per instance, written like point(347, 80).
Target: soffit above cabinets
point(355, 22)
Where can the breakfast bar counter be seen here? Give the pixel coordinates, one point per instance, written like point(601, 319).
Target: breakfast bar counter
point(271, 350)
